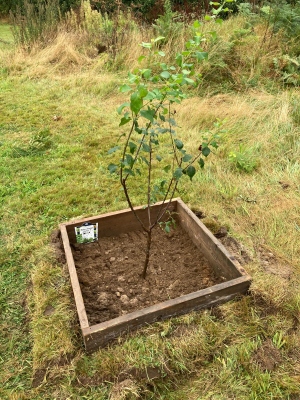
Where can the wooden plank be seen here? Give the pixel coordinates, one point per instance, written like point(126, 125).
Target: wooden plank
point(99, 335)
point(224, 263)
point(83, 320)
point(118, 222)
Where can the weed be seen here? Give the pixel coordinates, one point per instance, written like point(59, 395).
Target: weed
point(33, 23)
point(168, 25)
point(278, 340)
point(288, 69)
point(38, 144)
point(244, 159)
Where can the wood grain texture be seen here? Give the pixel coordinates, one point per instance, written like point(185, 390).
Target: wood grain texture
point(220, 259)
point(99, 335)
point(118, 222)
point(83, 320)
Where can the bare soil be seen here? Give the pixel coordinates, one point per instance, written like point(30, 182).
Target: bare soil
point(267, 356)
point(109, 272)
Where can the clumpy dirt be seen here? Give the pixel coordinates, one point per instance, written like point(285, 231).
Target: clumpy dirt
point(273, 265)
point(267, 356)
point(109, 272)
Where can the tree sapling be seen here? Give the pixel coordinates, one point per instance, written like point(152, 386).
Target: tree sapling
point(152, 141)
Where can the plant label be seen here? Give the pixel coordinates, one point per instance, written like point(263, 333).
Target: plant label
point(86, 233)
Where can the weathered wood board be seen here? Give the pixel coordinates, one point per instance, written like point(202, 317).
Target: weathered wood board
point(115, 223)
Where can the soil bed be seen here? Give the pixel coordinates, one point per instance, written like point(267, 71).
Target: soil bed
point(109, 272)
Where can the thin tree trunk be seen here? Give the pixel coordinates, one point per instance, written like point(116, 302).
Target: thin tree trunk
point(147, 253)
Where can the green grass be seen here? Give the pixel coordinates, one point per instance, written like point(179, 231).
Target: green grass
point(6, 37)
point(55, 169)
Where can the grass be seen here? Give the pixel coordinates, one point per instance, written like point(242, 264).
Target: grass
point(57, 122)
point(6, 37)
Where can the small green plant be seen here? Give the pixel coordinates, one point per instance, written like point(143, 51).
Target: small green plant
point(152, 142)
point(38, 144)
point(243, 159)
point(288, 68)
point(168, 24)
point(278, 340)
point(35, 22)
point(106, 32)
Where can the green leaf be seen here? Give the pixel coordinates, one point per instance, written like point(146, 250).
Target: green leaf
point(178, 173)
point(190, 171)
point(133, 78)
point(144, 159)
point(129, 160)
point(158, 39)
point(196, 24)
point(150, 96)
point(121, 107)
point(190, 81)
point(148, 114)
point(112, 168)
point(213, 34)
point(167, 168)
point(125, 88)
point(187, 158)
point(132, 147)
point(125, 119)
point(146, 45)
point(137, 129)
point(146, 73)
point(162, 130)
point(219, 21)
point(113, 149)
point(129, 171)
point(179, 60)
point(146, 147)
point(165, 75)
point(141, 58)
point(206, 151)
point(201, 163)
point(207, 17)
point(201, 55)
point(136, 103)
point(159, 158)
point(162, 117)
point(161, 53)
point(142, 91)
point(178, 144)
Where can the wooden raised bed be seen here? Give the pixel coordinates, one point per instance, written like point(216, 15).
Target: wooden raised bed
point(115, 223)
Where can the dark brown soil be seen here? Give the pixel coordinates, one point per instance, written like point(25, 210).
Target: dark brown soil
point(109, 272)
point(267, 356)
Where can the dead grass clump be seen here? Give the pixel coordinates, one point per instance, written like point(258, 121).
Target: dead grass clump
point(200, 113)
point(63, 55)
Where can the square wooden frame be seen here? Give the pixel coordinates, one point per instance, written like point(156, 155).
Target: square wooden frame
point(237, 281)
